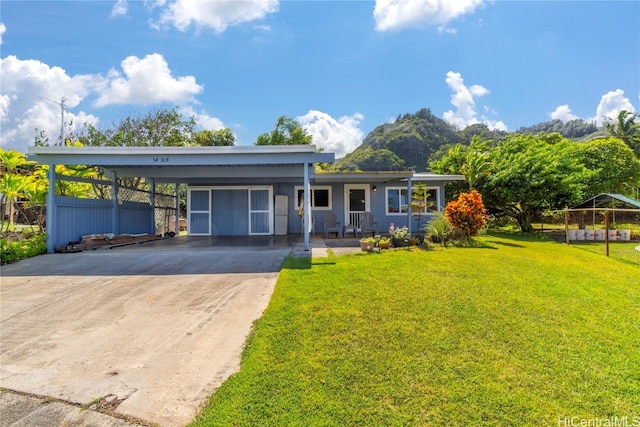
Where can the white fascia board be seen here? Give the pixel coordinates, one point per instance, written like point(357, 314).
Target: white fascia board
point(235, 149)
point(425, 177)
point(180, 156)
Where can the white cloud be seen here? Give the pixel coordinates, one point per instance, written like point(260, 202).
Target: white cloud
point(610, 105)
point(563, 113)
point(339, 136)
point(217, 15)
point(3, 29)
point(495, 124)
point(202, 119)
point(147, 81)
point(463, 99)
point(32, 91)
point(448, 30)
point(120, 8)
point(396, 14)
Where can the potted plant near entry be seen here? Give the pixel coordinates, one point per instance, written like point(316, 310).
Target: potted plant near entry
point(384, 243)
point(399, 236)
point(367, 243)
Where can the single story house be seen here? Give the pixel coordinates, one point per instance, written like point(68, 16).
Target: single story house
point(239, 190)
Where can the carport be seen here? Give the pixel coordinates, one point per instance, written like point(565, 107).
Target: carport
point(229, 170)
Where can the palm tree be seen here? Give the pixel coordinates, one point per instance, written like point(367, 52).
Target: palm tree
point(626, 129)
point(12, 183)
point(12, 187)
point(476, 163)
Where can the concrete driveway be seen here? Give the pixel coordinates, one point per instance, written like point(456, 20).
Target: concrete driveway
point(153, 328)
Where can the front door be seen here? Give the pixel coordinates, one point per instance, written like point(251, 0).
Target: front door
point(356, 200)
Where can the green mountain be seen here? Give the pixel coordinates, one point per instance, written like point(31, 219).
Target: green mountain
point(408, 143)
point(572, 129)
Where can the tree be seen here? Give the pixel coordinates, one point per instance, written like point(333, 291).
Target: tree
point(287, 132)
point(419, 201)
point(157, 128)
point(532, 173)
point(476, 164)
point(626, 129)
point(449, 161)
point(613, 166)
point(211, 138)
point(13, 181)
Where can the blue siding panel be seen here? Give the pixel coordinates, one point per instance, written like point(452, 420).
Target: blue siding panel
point(135, 218)
point(230, 213)
point(78, 217)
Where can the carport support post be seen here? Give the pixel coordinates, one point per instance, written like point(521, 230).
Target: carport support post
point(307, 207)
point(409, 191)
point(177, 208)
point(152, 202)
point(51, 209)
point(115, 214)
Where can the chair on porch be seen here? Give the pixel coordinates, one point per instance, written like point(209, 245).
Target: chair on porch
point(367, 224)
point(331, 225)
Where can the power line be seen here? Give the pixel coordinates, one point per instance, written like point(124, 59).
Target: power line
point(61, 104)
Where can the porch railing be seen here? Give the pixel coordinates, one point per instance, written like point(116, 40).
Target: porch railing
point(354, 218)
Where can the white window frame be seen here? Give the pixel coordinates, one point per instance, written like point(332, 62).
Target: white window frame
point(329, 189)
point(431, 190)
point(386, 201)
point(191, 211)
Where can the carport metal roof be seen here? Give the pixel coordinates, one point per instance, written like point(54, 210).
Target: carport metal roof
point(189, 164)
point(604, 198)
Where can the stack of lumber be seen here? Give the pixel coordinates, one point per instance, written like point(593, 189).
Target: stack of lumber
point(105, 241)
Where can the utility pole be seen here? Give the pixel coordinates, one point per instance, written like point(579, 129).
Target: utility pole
point(62, 121)
point(61, 104)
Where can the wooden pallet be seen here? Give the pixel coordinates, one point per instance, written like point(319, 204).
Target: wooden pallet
point(100, 241)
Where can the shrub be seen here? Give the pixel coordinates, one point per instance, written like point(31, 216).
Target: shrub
point(438, 229)
point(467, 214)
point(15, 250)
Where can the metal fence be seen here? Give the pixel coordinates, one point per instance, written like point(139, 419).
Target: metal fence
point(611, 232)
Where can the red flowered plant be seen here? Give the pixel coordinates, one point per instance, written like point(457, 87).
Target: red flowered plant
point(467, 214)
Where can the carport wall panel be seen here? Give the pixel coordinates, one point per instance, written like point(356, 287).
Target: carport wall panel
point(77, 217)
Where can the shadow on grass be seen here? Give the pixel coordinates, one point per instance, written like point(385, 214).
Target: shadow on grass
point(518, 236)
point(511, 245)
point(296, 263)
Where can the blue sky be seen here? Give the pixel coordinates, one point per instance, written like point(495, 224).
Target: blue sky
point(340, 67)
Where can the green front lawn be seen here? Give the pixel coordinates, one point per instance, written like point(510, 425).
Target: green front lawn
point(519, 331)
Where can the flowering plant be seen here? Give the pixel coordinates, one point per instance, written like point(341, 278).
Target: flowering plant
point(467, 214)
point(398, 232)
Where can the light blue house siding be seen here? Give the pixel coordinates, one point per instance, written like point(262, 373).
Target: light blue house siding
point(378, 205)
point(243, 210)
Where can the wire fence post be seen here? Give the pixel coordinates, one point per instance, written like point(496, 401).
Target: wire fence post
point(606, 231)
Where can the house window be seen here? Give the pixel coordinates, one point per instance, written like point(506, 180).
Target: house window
point(320, 197)
point(398, 201)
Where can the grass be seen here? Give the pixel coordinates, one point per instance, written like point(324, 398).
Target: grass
point(518, 331)
point(622, 250)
